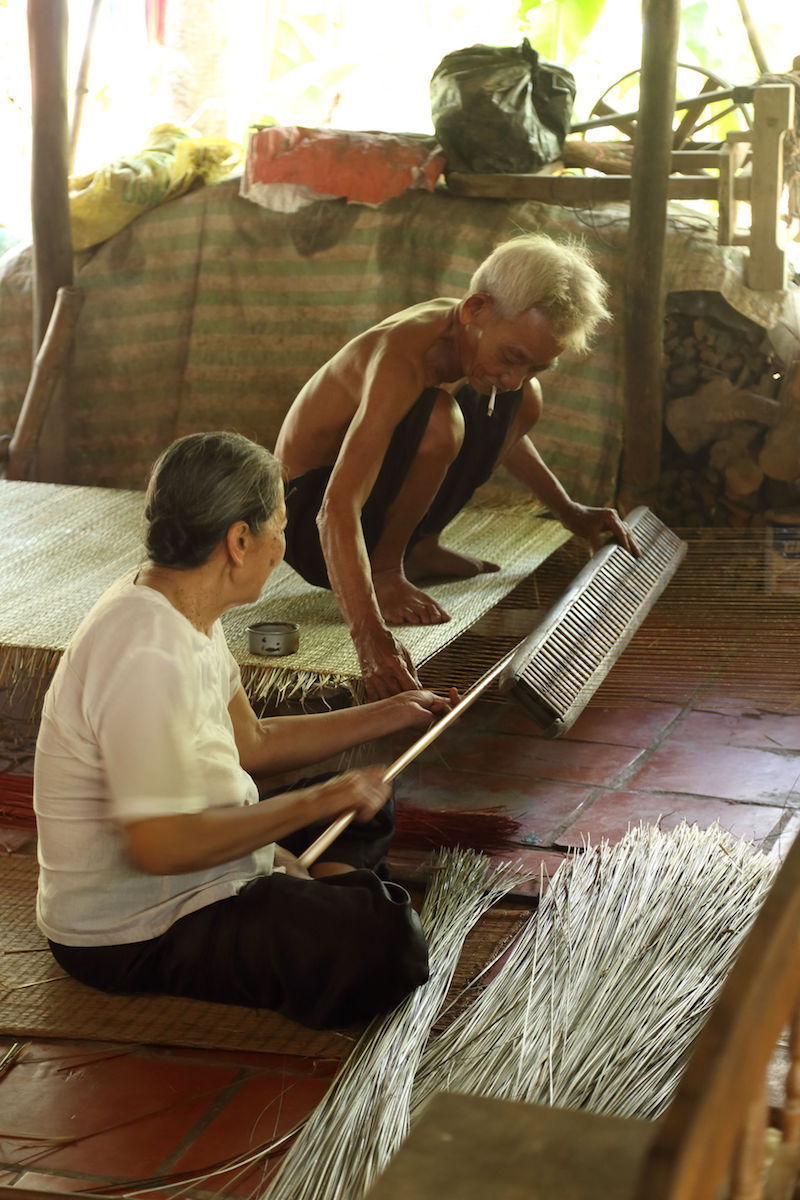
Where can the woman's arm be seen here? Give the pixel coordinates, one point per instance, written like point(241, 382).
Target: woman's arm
point(174, 845)
point(276, 744)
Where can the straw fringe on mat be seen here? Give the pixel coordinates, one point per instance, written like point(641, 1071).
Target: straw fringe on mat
point(38, 1000)
point(63, 546)
point(600, 999)
point(359, 1124)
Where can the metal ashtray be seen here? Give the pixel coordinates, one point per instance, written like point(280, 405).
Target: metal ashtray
point(274, 637)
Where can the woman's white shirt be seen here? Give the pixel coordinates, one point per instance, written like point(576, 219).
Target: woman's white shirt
point(135, 725)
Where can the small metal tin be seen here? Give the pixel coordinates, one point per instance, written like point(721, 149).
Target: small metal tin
point(274, 638)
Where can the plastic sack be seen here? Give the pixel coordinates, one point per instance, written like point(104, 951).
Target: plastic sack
point(500, 108)
point(294, 165)
point(174, 159)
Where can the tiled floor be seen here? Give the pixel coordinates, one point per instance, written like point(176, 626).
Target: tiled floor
point(83, 1116)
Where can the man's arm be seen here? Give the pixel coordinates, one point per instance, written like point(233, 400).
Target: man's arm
point(390, 391)
point(524, 462)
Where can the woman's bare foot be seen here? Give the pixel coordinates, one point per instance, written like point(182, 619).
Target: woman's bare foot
point(403, 604)
point(429, 560)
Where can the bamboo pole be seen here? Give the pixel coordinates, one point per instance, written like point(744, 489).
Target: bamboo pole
point(644, 268)
point(47, 374)
point(81, 87)
point(329, 835)
point(50, 218)
point(753, 38)
point(52, 239)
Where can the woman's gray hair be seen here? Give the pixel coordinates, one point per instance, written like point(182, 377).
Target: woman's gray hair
point(558, 278)
point(201, 485)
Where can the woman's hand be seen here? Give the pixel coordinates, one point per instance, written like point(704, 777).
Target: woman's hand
point(363, 789)
point(420, 708)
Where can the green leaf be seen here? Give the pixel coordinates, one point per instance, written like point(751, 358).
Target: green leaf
point(558, 28)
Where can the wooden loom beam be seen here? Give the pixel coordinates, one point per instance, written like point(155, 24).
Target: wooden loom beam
point(644, 260)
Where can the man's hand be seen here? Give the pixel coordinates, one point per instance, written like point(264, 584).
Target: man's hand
point(386, 665)
point(592, 523)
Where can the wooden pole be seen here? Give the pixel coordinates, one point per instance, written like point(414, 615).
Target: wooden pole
point(773, 115)
point(753, 38)
point(81, 87)
point(52, 239)
point(644, 269)
point(46, 378)
point(340, 823)
point(50, 220)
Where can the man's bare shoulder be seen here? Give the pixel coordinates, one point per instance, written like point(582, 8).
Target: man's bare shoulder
point(399, 343)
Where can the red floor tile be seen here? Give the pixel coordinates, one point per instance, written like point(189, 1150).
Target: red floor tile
point(788, 833)
point(124, 1113)
point(727, 701)
point(538, 758)
point(538, 862)
point(612, 813)
point(266, 1107)
point(539, 807)
point(630, 726)
point(260, 1060)
point(34, 1181)
point(725, 772)
point(753, 728)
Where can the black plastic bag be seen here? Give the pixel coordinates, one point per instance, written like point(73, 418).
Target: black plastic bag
point(500, 108)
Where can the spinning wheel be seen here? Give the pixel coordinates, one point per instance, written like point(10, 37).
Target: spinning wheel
point(715, 117)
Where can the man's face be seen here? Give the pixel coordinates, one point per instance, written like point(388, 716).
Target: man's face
point(505, 354)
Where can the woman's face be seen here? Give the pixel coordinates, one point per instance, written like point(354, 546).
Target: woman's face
point(267, 547)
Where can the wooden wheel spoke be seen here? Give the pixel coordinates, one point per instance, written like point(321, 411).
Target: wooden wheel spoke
point(692, 115)
point(623, 124)
point(688, 121)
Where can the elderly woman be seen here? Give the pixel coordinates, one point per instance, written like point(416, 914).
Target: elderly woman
point(160, 870)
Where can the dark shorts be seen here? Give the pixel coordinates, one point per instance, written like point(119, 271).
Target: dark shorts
point(484, 438)
point(324, 952)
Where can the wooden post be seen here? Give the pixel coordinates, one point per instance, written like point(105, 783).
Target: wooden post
point(753, 38)
point(773, 106)
point(52, 239)
point(50, 220)
point(46, 379)
point(644, 267)
point(732, 156)
point(82, 86)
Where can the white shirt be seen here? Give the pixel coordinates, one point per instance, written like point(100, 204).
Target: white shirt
point(135, 725)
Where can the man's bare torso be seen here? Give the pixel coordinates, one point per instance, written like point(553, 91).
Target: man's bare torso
point(317, 421)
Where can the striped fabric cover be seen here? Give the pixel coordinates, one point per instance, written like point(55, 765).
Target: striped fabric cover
point(211, 312)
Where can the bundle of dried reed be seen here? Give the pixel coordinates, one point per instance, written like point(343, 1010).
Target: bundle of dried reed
point(359, 1124)
point(606, 987)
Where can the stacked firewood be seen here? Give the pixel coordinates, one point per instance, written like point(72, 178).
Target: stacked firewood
point(731, 446)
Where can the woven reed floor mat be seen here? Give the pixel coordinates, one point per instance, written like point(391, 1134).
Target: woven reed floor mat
point(63, 546)
point(37, 999)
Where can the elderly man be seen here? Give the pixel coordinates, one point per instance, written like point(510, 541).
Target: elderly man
point(390, 438)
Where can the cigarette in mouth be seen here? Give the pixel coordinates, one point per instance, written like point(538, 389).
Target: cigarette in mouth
point(490, 406)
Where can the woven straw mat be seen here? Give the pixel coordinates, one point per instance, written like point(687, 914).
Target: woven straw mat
point(37, 999)
point(63, 546)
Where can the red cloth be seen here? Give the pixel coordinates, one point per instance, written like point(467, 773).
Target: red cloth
point(365, 167)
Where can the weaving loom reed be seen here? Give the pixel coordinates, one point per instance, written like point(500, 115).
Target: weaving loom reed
point(715, 634)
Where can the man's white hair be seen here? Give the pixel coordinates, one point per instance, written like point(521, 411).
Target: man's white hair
point(533, 271)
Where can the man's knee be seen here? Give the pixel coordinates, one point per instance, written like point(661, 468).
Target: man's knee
point(444, 433)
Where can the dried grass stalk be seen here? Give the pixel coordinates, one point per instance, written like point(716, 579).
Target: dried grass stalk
point(607, 986)
point(359, 1124)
